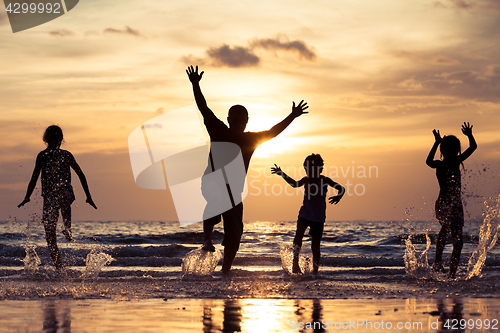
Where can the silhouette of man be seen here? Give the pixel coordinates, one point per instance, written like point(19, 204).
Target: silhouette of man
point(247, 142)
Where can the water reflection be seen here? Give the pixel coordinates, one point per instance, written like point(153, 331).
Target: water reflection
point(317, 315)
point(56, 317)
point(308, 317)
point(263, 315)
point(249, 315)
point(450, 321)
point(232, 316)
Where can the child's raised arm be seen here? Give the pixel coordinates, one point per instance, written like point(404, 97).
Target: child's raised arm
point(83, 180)
point(34, 178)
point(430, 158)
point(467, 130)
point(277, 170)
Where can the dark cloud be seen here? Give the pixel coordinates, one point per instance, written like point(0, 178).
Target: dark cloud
point(61, 33)
point(297, 46)
point(160, 110)
point(236, 56)
point(465, 85)
point(493, 70)
point(240, 56)
point(444, 61)
point(426, 58)
point(461, 4)
point(457, 4)
point(127, 31)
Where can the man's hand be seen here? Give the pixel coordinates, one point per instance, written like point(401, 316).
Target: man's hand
point(467, 129)
point(25, 201)
point(276, 170)
point(437, 136)
point(299, 109)
point(193, 75)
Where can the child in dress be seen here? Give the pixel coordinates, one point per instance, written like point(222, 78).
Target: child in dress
point(449, 209)
point(312, 214)
point(54, 164)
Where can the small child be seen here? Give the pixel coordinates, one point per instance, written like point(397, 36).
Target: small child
point(449, 209)
point(313, 211)
point(54, 164)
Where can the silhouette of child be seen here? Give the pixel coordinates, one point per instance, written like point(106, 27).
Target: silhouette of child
point(449, 209)
point(54, 164)
point(247, 142)
point(312, 214)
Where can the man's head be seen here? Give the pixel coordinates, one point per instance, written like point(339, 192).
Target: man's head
point(237, 118)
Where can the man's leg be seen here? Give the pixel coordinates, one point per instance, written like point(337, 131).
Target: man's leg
point(233, 230)
point(208, 228)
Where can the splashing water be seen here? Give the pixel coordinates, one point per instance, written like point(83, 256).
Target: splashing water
point(31, 261)
point(286, 254)
point(200, 262)
point(94, 262)
point(417, 264)
point(488, 236)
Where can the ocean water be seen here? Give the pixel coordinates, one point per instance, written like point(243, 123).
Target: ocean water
point(350, 250)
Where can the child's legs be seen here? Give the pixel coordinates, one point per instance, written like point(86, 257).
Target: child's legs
point(456, 233)
point(315, 247)
point(66, 213)
point(299, 233)
point(49, 219)
point(316, 232)
point(441, 242)
point(297, 243)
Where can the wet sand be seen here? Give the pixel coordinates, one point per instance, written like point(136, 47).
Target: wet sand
point(247, 302)
point(245, 285)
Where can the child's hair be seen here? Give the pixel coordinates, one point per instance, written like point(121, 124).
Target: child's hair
point(450, 146)
point(313, 160)
point(53, 135)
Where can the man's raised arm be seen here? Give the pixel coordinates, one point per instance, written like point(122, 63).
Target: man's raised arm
point(195, 78)
point(297, 111)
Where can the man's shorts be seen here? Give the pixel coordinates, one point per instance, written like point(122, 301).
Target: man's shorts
point(315, 228)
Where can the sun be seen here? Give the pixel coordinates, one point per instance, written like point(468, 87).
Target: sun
point(275, 146)
point(262, 117)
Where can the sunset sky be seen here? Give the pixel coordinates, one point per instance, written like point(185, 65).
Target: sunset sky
point(379, 76)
